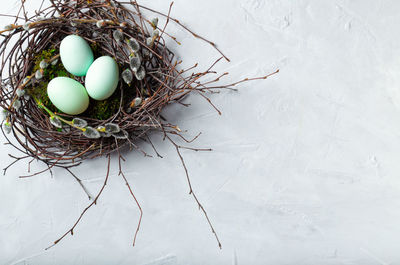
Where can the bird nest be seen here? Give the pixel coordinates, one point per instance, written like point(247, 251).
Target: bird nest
point(150, 79)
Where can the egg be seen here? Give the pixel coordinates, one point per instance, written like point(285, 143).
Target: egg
point(76, 55)
point(68, 95)
point(102, 78)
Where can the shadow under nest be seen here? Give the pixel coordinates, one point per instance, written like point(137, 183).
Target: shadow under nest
point(116, 29)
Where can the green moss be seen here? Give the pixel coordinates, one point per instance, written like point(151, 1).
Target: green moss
point(95, 49)
point(39, 89)
point(97, 109)
point(103, 109)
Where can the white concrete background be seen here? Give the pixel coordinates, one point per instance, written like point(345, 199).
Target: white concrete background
point(305, 167)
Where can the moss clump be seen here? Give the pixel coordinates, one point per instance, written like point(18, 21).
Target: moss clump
point(39, 89)
point(103, 109)
point(95, 49)
point(100, 110)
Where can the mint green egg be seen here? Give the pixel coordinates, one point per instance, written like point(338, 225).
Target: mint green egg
point(102, 78)
point(76, 55)
point(68, 95)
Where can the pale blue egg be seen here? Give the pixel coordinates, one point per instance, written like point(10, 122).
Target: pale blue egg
point(102, 78)
point(68, 95)
point(76, 55)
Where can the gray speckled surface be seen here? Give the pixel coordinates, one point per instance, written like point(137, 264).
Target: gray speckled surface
point(305, 167)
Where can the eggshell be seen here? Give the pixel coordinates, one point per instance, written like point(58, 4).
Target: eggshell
point(76, 55)
point(68, 95)
point(102, 78)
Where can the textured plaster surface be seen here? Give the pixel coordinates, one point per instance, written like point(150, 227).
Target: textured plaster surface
point(305, 167)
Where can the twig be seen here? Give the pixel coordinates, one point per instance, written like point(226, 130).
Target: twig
point(80, 184)
point(191, 191)
point(71, 230)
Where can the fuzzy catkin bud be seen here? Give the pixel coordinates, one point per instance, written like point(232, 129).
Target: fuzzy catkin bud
point(79, 122)
point(156, 33)
point(55, 122)
point(154, 22)
point(135, 62)
point(121, 135)
point(26, 26)
point(140, 74)
point(127, 76)
point(43, 64)
point(118, 35)
point(112, 128)
point(6, 127)
point(137, 101)
point(100, 23)
point(17, 104)
point(133, 44)
point(103, 132)
point(91, 133)
point(146, 53)
point(54, 62)
point(38, 75)
point(4, 114)
point(20, 92)
point(149, 41)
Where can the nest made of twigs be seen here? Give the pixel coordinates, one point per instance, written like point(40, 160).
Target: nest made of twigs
point(30, 52)
point(113, 29)
point(151, 78)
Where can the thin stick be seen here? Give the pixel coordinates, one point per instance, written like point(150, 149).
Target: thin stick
point(80, 184)
point(191, 192)
point(71, 230)
point(187, 29)
point(121, 173)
